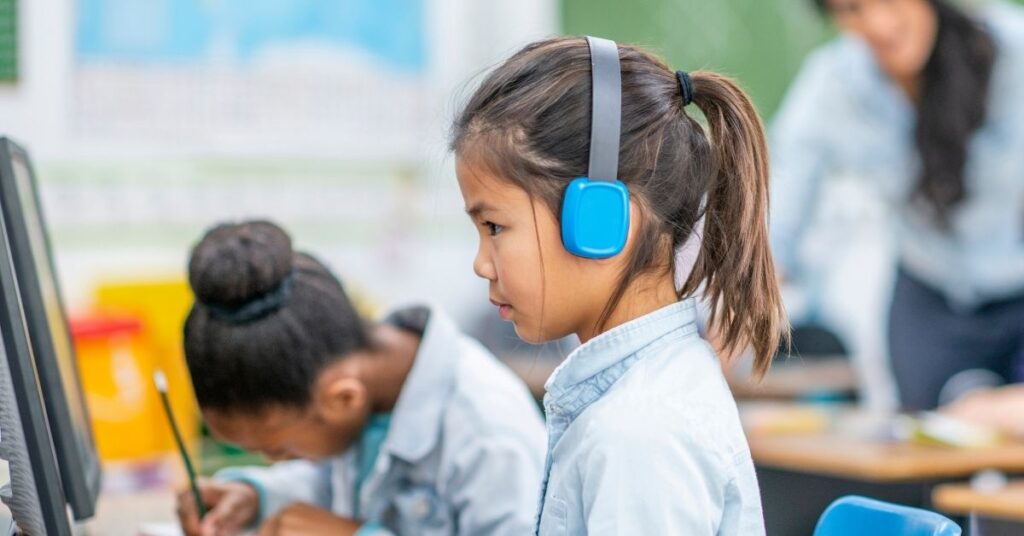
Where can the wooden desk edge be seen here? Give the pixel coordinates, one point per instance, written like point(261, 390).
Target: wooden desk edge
point(863, 470)
point(865, 474)
point(961, 499)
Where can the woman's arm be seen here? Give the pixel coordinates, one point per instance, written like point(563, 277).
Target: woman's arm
point(800, 140)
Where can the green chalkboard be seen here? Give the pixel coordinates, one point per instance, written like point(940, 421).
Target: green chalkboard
point(761, 42)
point(8, 40)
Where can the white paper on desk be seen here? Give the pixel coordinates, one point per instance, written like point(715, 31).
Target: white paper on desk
point(160, 529)
point(167, 529)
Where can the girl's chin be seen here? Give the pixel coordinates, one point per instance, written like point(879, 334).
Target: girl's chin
point(531, 335)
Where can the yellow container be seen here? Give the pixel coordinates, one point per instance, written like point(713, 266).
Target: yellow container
point(117, 362)
point(162, 306)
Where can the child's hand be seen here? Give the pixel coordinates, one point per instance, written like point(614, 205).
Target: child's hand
point(1000, 408)
point(230, 507)
point(305, 520)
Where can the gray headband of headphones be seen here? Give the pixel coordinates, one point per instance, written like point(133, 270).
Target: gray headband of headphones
point(606, 114)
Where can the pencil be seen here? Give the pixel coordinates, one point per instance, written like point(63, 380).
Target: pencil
point(161, 386)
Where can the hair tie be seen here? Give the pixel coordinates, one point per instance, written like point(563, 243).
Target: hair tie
point(685, 86)
point(258, 307)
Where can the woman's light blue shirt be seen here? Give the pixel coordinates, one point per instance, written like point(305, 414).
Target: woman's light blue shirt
point(843, 116)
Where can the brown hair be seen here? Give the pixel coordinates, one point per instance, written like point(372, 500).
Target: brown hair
point(529, 121)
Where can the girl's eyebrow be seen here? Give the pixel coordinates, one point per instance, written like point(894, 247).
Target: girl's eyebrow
point(478, 207)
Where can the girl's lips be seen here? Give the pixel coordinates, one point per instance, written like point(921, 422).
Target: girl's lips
point(504, 310)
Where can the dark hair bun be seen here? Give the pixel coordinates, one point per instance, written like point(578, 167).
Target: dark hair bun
point(237, 263)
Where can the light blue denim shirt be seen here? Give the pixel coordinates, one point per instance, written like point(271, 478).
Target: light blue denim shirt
point(843, 116)
point(463, 452)
point(644, 437)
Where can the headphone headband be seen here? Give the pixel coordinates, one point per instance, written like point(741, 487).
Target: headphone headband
point(606, 114)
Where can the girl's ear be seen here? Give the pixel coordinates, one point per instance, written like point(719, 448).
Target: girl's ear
point(637, 221)
point(636, 216)
point(341, 397)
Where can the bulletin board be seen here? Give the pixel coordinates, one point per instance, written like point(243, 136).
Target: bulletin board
point(8, 41)
point(235, 77)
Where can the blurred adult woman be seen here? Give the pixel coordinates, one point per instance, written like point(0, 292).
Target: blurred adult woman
point(924, 102)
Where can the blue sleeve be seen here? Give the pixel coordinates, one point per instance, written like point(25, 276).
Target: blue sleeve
point(284, 483)
point(373, 529)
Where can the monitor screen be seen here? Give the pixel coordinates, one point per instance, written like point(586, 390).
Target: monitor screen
point(49, 335)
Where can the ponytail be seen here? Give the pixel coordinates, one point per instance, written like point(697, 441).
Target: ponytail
point(735, 263)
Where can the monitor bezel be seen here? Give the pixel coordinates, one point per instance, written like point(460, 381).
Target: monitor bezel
point(17, 353)
point(80, 471)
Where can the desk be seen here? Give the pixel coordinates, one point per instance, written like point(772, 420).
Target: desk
point(998, 513)
point(801, 473)
point(878, 461)
point(136, 493)
point(118, 514)
point(121, 514)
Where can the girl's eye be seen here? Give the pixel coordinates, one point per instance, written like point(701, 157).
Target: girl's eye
point(493, 228)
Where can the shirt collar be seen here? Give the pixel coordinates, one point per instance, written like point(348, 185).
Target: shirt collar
point(595, 365)
point(416, 417)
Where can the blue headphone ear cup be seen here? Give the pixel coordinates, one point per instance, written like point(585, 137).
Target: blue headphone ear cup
point(595, 218)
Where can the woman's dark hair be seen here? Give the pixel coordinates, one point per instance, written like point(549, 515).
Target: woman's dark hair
point(529, 123)
point(271, 355)
point(952, 105)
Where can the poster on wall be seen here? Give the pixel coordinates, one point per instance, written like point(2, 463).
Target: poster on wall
point(335, 78)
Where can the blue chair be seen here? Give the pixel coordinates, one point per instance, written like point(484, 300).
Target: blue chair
point(857, 516)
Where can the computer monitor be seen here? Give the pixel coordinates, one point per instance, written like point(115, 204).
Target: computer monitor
point(49, 336)
point(35, 496)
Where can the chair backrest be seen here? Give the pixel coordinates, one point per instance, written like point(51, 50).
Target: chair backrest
point(853, 515)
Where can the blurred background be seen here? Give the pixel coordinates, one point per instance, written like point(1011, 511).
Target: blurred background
point(150, 120)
